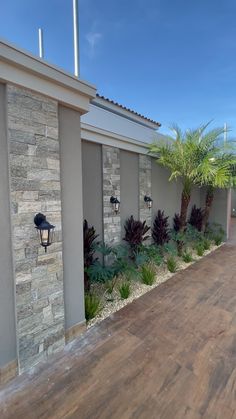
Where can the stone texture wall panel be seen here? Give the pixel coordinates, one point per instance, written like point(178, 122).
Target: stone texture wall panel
point(35, 187)
point(145, 187)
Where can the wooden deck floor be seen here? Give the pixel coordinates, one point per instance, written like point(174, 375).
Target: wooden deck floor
point(170, 355)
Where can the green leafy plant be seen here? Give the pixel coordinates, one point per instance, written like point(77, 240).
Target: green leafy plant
point(148, 274)
point(90, 243)
point(196, 157)
point(187, 257)
point(124, 289)
point(135, 234)
point(218, 239)
point(206, 243)
point(160, 229)
point(196, 218)
point(200, 249)
point(93, 305)
point(98, 272)
point(172, 264)
point(110, 285)
point(148, 254)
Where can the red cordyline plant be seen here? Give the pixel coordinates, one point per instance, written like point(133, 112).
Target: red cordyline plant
point(135, 233)
point(89, 249)
point(160, 229)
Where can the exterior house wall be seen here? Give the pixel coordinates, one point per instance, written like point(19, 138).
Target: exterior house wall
point(220, 209)
point(233, 203)
point(8, 352)
point(72, 218)
point(35, 187)
point(92, 185)
point(116, 124)
point(41, 171)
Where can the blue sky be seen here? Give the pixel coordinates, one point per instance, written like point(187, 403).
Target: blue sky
point(172, 60)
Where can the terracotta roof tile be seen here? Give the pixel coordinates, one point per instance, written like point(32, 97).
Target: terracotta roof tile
point(127, 109)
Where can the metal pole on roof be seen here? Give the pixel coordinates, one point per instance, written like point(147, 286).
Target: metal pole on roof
point(225, 132)
point(41, 46)
point(76, 37)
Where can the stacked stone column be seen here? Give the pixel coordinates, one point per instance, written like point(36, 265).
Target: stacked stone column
point(34, 164)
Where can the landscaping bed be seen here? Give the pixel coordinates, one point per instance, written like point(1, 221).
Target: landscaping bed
point(113, 302)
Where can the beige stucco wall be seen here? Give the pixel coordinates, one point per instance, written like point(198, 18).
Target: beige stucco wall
point(8, 350)
point(72, 215)
point(92, 185)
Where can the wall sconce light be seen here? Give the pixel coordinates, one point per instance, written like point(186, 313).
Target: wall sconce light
point(45, 229)
point(148, 201)
point(115, 204)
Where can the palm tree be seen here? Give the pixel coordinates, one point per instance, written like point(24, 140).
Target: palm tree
point(222, 176)
point(194, 156)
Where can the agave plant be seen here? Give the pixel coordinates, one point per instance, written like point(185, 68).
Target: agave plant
point(160, 230)
point(135, 233)
point(90, 237)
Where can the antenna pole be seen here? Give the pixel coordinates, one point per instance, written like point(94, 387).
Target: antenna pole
point(76, 37)
point(225, 132)
point(41, 48)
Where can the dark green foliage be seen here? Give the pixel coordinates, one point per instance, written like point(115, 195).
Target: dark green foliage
point(176, 222)
point(148, 254)
point(99, 272)
point(170, 248)
point(148, 274)
point(187, 257)
point(206, 243)
point(196, 218)
point(200, 249)
point(160, 229)
point(124, 290)
point(119, 264)
point(218, 239)
point(135, 234)
point(89, 249)
point(92, 305)
point(171, 264)
point(216, 233)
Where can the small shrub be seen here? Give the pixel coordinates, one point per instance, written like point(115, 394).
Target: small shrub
point(196, 218)
point(206, 244)
point(160, 230)
point(92, 305)
point(124, 290)
point(110, 285)
point(148, 274)
point(187, 257)
point(149, 254)
point(200, 249)
point(171, 264)
point(218, 239)
point(176, 222)
point(98, 272)
point(135, 233)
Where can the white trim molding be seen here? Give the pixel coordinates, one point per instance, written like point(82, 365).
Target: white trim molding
point(23, 69)
point(100, 136)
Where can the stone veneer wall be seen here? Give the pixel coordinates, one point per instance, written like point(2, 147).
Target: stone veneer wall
point(145, 187)
point(35, 187)
point(111, 186)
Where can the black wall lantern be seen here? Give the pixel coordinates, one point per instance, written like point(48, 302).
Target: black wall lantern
point(115, 204)
point(45, 229)
point(148, 201)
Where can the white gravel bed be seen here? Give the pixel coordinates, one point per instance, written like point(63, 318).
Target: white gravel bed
point(138, 288)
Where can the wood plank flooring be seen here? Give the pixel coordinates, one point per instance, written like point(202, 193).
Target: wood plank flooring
point(170, 355)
